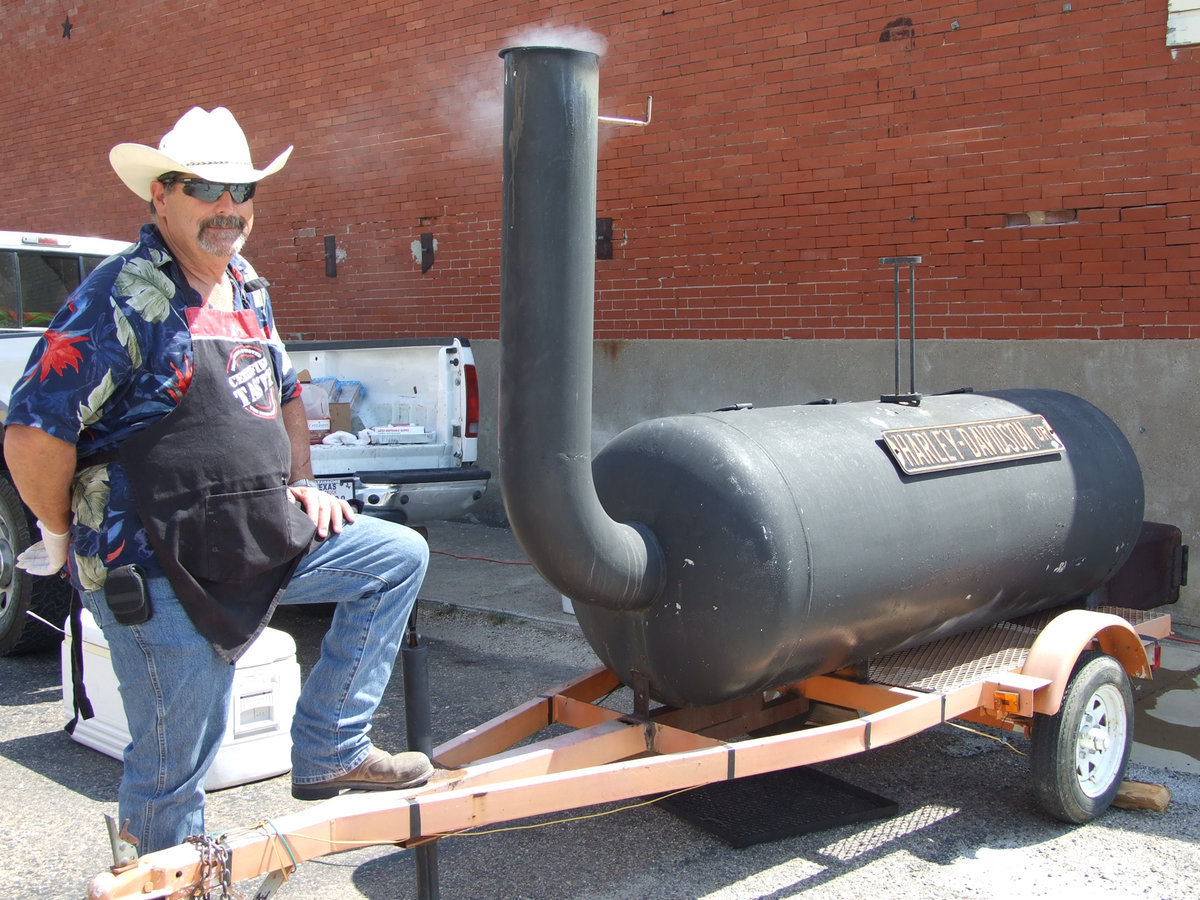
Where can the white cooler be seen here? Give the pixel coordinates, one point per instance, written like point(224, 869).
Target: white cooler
point(258, 741)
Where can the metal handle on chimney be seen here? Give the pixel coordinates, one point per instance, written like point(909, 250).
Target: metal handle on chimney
point(618, 121)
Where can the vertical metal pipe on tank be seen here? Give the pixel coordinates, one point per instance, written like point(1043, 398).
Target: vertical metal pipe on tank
point(547, 278)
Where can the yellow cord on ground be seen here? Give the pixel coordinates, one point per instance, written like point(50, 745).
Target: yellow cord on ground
point(990, 737)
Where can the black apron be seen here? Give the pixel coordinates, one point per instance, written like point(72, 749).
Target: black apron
point(209, 481)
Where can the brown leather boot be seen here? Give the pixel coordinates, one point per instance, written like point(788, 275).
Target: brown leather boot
point(378, 772)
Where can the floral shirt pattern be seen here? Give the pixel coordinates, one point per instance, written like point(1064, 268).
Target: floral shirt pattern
point(116, 359)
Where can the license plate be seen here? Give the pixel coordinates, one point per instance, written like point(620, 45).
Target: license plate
point(339, 487)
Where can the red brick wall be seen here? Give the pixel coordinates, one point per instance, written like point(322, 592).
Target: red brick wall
point(791, 147)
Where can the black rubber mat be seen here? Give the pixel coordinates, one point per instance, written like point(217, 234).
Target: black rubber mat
point(777, 805)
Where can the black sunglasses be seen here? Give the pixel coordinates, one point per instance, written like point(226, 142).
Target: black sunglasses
point(211, 191)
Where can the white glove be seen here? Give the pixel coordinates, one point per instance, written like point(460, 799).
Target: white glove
point(341, 438)
point(48, 555)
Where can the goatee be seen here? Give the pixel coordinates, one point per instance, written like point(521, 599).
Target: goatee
point(222, 246)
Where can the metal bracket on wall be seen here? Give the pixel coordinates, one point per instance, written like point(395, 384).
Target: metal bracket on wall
point(604, 248)
point(912, 398)
point(330, 256)
point(427, 251)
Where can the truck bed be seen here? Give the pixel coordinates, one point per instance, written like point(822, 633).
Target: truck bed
point(427, 471)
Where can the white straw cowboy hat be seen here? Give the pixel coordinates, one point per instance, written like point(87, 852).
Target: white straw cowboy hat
point(209, 145)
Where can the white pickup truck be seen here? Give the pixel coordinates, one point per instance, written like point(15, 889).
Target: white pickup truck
point(411, 420)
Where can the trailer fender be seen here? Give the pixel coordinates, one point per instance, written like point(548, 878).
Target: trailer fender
point(1056, 650)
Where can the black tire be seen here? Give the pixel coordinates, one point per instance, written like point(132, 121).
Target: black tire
point(1079, 755)
point(49, 597)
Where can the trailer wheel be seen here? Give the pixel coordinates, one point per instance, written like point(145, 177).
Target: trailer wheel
point(49, 597)
point(1080, 753)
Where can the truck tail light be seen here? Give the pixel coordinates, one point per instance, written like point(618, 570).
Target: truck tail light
point(472, 383)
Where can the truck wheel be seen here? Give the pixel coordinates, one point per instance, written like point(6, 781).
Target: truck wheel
point(1080, 753)
point(49, 597)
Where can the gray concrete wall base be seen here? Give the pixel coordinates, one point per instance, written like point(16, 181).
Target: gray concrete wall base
point(1144, 386)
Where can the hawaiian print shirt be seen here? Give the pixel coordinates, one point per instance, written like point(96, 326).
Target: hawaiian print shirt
point(115, 359)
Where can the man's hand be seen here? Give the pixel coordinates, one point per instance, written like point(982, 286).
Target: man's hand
point(48, 555)
point(327, 511)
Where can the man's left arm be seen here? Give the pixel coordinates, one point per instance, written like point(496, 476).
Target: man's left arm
point(327, 511)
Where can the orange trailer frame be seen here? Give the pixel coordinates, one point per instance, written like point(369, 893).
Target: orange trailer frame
point(1002, 676)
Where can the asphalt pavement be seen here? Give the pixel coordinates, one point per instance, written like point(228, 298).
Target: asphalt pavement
point(966, 824)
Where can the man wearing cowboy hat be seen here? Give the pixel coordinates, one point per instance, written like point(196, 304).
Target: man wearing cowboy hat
point(158, 436)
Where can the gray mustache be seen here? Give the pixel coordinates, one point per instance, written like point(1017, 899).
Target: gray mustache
point(225, 222)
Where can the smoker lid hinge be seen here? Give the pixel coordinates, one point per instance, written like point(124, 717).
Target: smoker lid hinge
point(901, 399)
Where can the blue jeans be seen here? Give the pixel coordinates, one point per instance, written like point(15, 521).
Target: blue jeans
point(176, 689)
